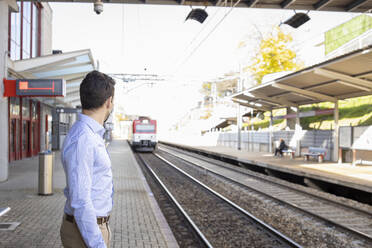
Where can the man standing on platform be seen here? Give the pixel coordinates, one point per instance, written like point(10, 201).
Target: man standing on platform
point(87, 166)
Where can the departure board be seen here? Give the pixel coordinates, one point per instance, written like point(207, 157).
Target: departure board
point(41, 87)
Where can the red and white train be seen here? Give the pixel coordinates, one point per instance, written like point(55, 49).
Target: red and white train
point(143, 134)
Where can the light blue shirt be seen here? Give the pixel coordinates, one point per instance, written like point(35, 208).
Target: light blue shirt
point(89, 189)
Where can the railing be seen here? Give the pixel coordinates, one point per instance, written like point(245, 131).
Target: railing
point(259, 141)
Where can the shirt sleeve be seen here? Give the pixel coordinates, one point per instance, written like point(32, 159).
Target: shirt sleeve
point(80, 173)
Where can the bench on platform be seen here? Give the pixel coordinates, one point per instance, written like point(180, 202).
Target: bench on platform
point(290, 151)
point(4, 210)
point(317, 152)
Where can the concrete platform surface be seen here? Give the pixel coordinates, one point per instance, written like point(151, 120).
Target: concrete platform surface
point(136, 220)
point(358, 177)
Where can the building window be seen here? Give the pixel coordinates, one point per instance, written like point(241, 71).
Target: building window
point(15, 37)
point(24, 40)
point(35, 31)
point(26, 31)
point(11, 136)
point(25, 135)
point(25, 108)
point(14, 106)
point(34, 111)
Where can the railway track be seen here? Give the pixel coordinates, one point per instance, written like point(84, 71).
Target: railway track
point(218, 221)
point(354, 220)
point(184, 229)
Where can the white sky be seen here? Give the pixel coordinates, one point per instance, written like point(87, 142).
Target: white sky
point(130, 38)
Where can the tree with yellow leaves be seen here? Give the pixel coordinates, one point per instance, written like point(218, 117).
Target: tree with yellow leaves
point(273, 55)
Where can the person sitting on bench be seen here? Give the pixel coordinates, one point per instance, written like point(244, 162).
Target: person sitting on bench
point(282, 146)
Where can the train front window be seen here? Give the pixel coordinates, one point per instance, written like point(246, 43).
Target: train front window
point(145, 128)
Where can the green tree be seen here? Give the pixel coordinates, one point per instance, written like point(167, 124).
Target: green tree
point(273, 55)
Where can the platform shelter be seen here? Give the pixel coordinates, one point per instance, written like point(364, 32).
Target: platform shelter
point(340, 78)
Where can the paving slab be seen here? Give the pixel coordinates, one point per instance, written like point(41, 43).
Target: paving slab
point(136, 218)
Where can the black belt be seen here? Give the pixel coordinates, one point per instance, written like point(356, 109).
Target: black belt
point(100, 220)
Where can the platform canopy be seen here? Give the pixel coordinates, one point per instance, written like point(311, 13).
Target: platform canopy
point(71, 66)
point(340, 78)
point(324, 5)
point(226, 122)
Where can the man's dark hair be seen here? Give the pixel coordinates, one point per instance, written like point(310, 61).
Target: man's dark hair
point(95, 89)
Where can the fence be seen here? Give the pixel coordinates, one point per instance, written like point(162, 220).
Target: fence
point(259, 141)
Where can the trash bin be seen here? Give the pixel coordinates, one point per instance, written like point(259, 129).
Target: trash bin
point(46, 160)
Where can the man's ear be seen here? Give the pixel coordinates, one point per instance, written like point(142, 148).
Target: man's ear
point(109, 101)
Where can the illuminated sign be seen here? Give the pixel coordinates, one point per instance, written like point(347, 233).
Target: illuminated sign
point(41, 87)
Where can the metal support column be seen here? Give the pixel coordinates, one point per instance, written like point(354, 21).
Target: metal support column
point(298, 130)
point(55, 129)
point(239, 122)
point(251, 133)
point(252, 126)
point(336, 143)
point(271, 132)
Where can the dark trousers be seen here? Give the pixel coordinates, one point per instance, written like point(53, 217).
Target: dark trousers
point(277, 150)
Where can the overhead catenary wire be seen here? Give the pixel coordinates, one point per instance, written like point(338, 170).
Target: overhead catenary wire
point(202, 29)
point(207, 36)
point(196, 36)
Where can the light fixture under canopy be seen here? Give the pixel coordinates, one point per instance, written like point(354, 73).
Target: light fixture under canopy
point(297, 20)
point(198, 15)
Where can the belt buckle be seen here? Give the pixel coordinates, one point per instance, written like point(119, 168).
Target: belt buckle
point(103, 220)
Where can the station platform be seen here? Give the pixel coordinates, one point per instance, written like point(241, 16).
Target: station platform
point(136, 220)
point(355, 177)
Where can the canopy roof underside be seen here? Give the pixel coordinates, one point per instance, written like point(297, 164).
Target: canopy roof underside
point(340, 78)
point(71, 66)
point(324, 5)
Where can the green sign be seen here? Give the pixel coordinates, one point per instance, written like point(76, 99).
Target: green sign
point(347, 31)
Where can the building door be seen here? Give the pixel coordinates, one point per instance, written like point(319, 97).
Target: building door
point(25, 146)
point(14, 128)
point(18, 139)
point(12, 139)
point(34, 138)
point(35, 128)
point(25, 128)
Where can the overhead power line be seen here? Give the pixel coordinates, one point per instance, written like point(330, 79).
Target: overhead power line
point(207, 36)
point(202, 29)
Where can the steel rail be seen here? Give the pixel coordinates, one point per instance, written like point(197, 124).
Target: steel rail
point(352, 230)
point(272, 230)
point(187, 153)
point(180, 208)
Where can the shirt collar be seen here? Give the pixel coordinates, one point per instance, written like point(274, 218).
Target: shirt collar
point(93, 124)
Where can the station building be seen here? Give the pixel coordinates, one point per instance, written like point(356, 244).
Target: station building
point(26, 123)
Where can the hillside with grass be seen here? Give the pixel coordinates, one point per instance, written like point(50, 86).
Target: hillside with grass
point(353, 112)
